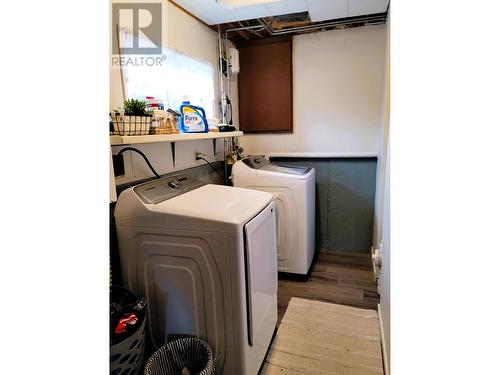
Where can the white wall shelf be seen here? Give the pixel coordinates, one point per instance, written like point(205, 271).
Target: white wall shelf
point(118, 140)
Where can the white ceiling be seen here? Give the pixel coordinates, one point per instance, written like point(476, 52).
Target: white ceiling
point(214, 12)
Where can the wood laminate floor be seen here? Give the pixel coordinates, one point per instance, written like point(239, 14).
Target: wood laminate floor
point(342, 278)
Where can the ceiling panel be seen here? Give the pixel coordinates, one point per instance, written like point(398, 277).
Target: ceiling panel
point(206, 10)
point(363, 7)
point(248, 13)
point(212, 12)
point(322, 10)
point(287, 7)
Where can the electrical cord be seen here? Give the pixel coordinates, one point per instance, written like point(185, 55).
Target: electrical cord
point(144, 157)
point(210, 164)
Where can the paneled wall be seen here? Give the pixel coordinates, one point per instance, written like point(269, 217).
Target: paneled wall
point(345, 199)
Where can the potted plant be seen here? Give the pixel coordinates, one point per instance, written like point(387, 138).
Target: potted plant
point(133, 119)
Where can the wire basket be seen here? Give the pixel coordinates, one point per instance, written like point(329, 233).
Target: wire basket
point(130, 125)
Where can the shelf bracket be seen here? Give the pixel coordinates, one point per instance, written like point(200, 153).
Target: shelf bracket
point(214, 143)
point(172, 148)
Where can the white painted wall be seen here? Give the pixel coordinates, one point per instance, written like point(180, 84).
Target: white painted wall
point(185, 34)
point(338, 79)
point(384, 143)
point(381, 231)
point(385, 274)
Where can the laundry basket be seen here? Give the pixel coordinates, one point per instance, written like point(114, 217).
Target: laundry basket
point(127, 347)
point(127, 357)
point(183, 356)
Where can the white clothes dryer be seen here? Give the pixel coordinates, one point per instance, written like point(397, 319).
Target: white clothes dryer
point(294, 190)
point(205, 257)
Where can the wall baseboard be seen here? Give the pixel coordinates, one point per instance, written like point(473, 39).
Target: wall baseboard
point(384, 349)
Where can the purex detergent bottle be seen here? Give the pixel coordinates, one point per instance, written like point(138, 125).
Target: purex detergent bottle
point(193, 118)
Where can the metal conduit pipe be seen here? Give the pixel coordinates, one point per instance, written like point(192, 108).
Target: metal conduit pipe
point(266, 25)
point(223, 100)
point(263, 25)
point(246, 28)
point(380, 18)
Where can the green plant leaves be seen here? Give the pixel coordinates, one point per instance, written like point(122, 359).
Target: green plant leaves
point(135, 107)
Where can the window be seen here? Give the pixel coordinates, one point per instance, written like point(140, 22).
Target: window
point(265, 89)
point(179, 75)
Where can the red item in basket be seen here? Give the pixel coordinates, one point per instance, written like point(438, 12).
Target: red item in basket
point(128, 319)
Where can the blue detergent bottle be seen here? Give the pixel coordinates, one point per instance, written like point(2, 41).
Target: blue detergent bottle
point(193, 118)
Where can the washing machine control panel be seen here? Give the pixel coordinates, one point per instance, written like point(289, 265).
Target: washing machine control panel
point(256, 162)
point(160, 190)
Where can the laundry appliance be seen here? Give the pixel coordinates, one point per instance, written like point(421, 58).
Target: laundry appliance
point(205, 257)
point(294, 190)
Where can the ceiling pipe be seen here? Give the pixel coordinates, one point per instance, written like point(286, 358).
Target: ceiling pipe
point(267, 25)
point(223, 97)
point(263, 25)
point(377, 18)
point(260, 27)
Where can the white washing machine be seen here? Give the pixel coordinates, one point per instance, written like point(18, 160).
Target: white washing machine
point(294, 190)
point(205, 257)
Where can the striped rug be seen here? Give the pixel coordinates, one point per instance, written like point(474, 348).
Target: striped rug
point(325, 338)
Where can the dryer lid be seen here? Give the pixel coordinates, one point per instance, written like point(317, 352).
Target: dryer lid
point(287, 169)
point(260, 162)
point(216, 203)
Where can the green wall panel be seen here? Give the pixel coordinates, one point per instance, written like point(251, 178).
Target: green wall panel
point(345, 201)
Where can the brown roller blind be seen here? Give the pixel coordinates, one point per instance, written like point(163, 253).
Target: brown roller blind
point(265, 85)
